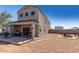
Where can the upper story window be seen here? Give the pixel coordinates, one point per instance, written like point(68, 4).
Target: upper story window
point(32, 13)
point(40, 30)
point(21, 15)
point(26, 14)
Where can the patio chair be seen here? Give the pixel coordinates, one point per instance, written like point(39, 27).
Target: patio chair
point(17, 33)
point(6, 34)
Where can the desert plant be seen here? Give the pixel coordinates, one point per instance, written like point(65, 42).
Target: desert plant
point(4, 18)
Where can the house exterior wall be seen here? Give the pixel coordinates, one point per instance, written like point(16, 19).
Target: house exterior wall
point(38, 28)
point(44, 24)
point(59, 27)
point(27, 9)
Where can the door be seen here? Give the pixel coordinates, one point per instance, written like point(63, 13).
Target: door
point(26, 31)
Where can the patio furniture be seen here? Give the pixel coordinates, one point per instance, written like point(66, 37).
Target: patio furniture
point(1, 33)
point(17, 33)
point(6, 34)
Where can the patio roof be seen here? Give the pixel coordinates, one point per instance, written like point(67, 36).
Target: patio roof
point(30, 20)
point(23, 22)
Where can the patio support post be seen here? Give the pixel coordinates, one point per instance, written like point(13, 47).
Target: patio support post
point(33, 31)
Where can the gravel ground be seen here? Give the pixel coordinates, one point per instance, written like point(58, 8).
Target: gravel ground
point(50, 43)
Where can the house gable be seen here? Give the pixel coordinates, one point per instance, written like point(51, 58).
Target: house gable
point(31, 13)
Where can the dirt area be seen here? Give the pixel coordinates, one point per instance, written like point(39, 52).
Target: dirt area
point(47, 43)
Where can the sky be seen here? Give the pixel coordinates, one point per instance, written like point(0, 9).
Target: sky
point(58, 15)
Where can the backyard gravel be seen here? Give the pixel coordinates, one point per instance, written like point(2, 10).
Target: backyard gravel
point(50, 43)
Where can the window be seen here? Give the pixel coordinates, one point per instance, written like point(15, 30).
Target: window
point(44, 30)
point(32, 13)
point(40, 30)
point(26, 14)
point(21, 15)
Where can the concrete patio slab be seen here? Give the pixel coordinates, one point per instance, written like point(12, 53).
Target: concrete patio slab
point(15, 40)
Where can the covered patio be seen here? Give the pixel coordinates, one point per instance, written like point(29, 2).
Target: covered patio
point(25, 28)
point(21, 32)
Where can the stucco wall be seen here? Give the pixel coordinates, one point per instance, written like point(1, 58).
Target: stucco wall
point(44, 24)
point(29, 10)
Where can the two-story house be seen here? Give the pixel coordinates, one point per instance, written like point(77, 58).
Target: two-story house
point(30, 19)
